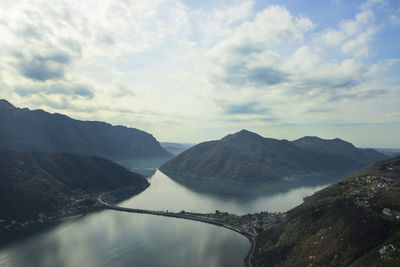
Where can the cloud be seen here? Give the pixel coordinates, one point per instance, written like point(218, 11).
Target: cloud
point(271, 26)
point(210, 26)
point(121, 90)
point(370, 94)
point(234, 12)
point(352, 36)
point(43, 67)
point(250, 65)
point(242, 75)
point(372, 3)
point(60, 88)
point(322, 77)
point(269, 119)
point(320, 110)
point(246, 109)
point(246, 57)
point(358, 46)
point(168, 63)
point(333, 37)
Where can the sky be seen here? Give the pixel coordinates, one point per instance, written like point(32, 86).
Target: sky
point(191, 71)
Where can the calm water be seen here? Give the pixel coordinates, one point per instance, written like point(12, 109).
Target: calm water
point(111, 238)
point(167, 194)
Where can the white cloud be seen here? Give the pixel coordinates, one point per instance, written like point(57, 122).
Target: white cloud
point(372, 3)
point(358, 46)
point(211, 26)
point(365, 17)
point(247, 57)
point(333, 37)
point(271, 26)
point(352, 36)
point(159, 63)
point(234, 13)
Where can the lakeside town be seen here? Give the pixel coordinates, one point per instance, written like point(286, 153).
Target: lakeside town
point(83, 202)
point(79, 203)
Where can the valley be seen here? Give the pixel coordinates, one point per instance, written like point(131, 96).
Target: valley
point(276, 194)
point(175, 133)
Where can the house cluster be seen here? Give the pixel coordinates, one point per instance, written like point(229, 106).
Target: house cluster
point(363, 188)
point(258, 221)
point(262, 220)
point(387, 251)
point(79, 203)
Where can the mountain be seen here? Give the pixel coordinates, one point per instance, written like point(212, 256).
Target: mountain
point(247, 157)
point(355, 222)
point(390, 152)
point(34, 182)
point(37, 130)
point(338, 147)
point(175, 148)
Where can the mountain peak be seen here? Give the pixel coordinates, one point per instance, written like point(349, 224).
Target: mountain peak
point(243, 134)
point(248, 157)
point(5, 104)
point(308, 137)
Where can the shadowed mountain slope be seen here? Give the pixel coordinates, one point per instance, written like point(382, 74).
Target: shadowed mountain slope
point(33, 182)
point(37, 130)
point(248, 157)
point(338, 147)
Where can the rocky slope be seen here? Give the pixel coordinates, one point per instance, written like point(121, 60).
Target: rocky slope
point(355, 222)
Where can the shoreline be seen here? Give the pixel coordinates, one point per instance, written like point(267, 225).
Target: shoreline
point(240, 224)
point(80, 204)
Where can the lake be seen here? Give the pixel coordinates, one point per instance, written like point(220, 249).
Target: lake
point(112, 238)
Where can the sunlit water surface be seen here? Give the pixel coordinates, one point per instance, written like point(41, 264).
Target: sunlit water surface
point(112, 238)
point(166, 194)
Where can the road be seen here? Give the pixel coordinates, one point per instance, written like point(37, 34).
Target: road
point(190, 216)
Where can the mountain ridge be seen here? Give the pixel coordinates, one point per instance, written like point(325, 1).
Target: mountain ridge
point(22, 129)
point(248, 157)
point(34, 182)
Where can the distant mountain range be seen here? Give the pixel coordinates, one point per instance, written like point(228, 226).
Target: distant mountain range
point(247, 157)
point(35, 182)
point(391, 152)
point(37, 130)
point(176, 148)
point(355, 222)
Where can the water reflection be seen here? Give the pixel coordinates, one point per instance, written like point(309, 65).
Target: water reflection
point(167, 194)
point(112, 238)
point(227, 189)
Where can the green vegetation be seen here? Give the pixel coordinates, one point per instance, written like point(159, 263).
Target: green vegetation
point(246, 157)
point(351, 223)
point(36, 182)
